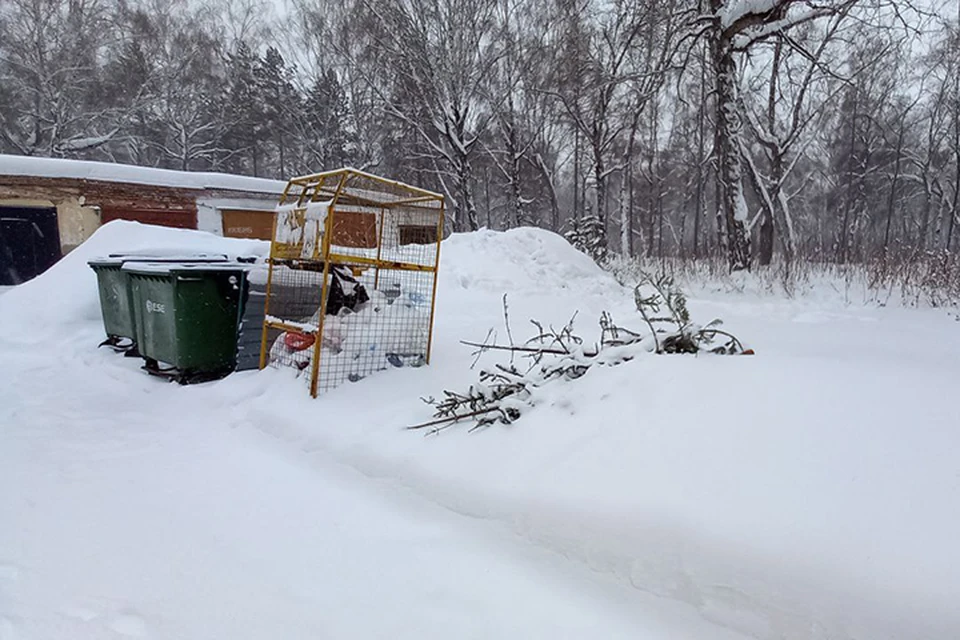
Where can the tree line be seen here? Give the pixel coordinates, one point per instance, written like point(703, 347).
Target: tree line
point(752, 130)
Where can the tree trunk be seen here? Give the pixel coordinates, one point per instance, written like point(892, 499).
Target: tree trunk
point(552, 189)
point(843, 240)
point(765, 250)
point(626, 184)
point(732, 206)
point(892, 196)
point(468, 206)
point(576, 174)
point(701, 151)
point(600, 183)
point(486, 195)
point(925, 215)
point(509, 133)
point(955, 207)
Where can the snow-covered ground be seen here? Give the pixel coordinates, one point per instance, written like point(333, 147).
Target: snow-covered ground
point(809, 491)
point(128, 511)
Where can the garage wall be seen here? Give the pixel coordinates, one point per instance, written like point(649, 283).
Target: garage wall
point(83, 205)
point(177, 218)
point(77, 222)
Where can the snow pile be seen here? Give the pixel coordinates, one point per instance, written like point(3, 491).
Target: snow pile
point(520, 261)
point(66, 295)
point(806, 492)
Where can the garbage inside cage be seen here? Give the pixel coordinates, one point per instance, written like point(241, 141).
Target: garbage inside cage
point(352, 275)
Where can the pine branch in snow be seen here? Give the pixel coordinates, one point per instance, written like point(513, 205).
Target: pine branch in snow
point(589, 235)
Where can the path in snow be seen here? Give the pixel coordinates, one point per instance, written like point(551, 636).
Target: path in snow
point(149, 518)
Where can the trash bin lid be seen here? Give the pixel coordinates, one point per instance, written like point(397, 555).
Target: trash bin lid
point(105, 262)
point(167, 268)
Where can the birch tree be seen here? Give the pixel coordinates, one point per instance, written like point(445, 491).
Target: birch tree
point(734, 27)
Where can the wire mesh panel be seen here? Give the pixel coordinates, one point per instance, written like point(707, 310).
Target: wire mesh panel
point(352, 277)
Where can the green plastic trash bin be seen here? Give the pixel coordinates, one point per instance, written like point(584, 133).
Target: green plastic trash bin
point(187, 317)
point(114, 301)
point(115, 296)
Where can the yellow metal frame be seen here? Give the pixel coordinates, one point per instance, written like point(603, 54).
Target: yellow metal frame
point(436, 267)
point(320, 186)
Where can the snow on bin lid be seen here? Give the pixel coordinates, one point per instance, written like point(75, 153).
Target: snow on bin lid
point(163, 268)
point(165, 254)
point(161, 255)
point(105, 262)
point(115, 259)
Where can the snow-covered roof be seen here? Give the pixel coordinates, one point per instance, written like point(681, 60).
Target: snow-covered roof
point(131, 174)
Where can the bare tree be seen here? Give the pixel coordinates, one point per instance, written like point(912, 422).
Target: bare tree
point(797, 96)
point(432, 62)
point(50, 61)
point(629, 46)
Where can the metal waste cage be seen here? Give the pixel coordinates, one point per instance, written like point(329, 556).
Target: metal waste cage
point(352, 277)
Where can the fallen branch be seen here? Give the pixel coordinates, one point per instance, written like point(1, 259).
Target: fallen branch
point(501, 347)
point(504, 392)
point(452, 419)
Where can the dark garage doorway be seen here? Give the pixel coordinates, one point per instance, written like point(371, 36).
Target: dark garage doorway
point(29, 242)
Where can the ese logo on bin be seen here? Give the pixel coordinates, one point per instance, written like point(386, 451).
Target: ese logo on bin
point(155, 307)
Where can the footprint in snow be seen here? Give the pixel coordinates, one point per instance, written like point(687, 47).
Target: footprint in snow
point(79, 613)
point(8, 573)
point(7, 630)
point(129, 624)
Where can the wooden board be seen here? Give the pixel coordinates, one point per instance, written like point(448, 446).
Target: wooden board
point(355, 229)
point(247, 224)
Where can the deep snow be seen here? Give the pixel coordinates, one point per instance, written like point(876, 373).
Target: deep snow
point(149, 518)
point(809, 491)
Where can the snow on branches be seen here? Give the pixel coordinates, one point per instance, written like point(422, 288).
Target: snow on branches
point(505, 391)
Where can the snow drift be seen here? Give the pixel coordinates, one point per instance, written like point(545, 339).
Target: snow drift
point(61, 296)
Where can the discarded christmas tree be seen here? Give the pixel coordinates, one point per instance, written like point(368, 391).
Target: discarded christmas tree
point(504, 392)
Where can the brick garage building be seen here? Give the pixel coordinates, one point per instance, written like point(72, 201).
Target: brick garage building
point(49, 206)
